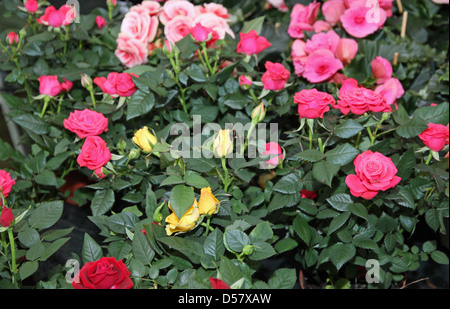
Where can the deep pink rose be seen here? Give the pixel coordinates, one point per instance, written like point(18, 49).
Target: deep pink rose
point(120, 84)
point(86, 123)
point(57, 17)
point(251, 43)
point(374, 172)
point(100, 21)
point(94, 154)
point(131, 51)
point(302, 18)
point(6, 183)
point(359, 100)
point(391, 89)
point(435, 136)
point(346, 50)
point(313, 103)
point(272, 149)
point(12, 38)
point(321, 65)
point(50, 85)
point(359, 22)
point(332, 11)
point(381, 69)
point(31, 5)
point(275, 76)
point(204, 34)
point(6, 217)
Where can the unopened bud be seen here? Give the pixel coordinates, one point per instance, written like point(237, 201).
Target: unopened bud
point(245, 82)
point(223, 143)
point(134, 154)
point(86, 81)
point(258, 113)
point(248, 249)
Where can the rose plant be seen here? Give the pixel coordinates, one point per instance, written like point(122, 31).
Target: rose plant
point(140, 105)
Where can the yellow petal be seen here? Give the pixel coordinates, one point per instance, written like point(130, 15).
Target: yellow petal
point(207, 204)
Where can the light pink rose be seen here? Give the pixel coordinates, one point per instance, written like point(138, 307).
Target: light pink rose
point(298, 49)
point(217, 9)
point(374, 172)
point(359, 22)
point(327, 40)
point(381, 69)
point(131, 51)
point(391, 89)
point(86, 123)
point(332, 11)
point(216, 23)
point(175, 8)
point(346, 50)
point(273, 148)
point(136, 25)
point(178, 28)
point(359, 100)
point(321, 26)
point(321, 65)
point(152, 8)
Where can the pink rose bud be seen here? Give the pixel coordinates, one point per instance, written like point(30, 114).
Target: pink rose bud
point(200, 33)
point(435, 136)
point(245, 82)
point(111, 2)
point(273, 148)
point(258, 113)
point(12, 38)
point(346, 50)
point(381, 69)
point(6, 183)
point(31, 5)
point(100, 21)
point(6, 217)
point(49, 85)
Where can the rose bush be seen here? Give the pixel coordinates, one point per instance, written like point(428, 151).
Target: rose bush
point(216, 137)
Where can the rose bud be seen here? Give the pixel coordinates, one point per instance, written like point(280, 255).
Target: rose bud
point(223, 143)
point(186, 223)
point(258, 113)
point(144, 139)
point(207, 204)
point(12, 38)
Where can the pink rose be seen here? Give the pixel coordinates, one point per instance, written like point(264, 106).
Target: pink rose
point(57, 17)
point(100, 21)
point(94, 154)
point(6, 183)
point(346, 50)
point(86, 123)
point(117, 84)
point(140, 25)
point(174, 8)
point(178, 28)
point(435, 136)
point(244, 81)
point(323, 40)
point(273, 148)
point(298, 49)
point(332, 11)
point(321, 65)
point(31, 5)
point(204, 34)
point(217, 9)
point(152, 8)
point(381, 69)
point(50, 85)
point(313, 103)
point(348, 84)
point(216, 23)
point(321, 26)
point(358, 21)
point(391, 89)
point(374, 172)
point(131, 51)
point(12, 38)
point(251, 43)
point(275, 76)
point(359, 100)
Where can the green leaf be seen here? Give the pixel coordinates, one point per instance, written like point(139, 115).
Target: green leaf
point(141, 248)
point(439, 257)
point(359, 210)
point(196, 73)
point(46, 214)
point(340, 201)
point(140, 104)
point(340, 254)
point(195, 180)
point(303, 230)
point(283, 278)
point(254, 24)
point(288, 184)
point(348, 129)
point(47, 178)
point(32, 123)
point(51, 248)
point(27, 269)
point(434, 114)
point(190, 248)
point(90, 251)
point(412, 127)
point(213, 244)
point(342, 154)
point(283, 200)
point(404, 198)
point(337, 222)
point(29, 237)
point(310, 155)
point(324, 172)
point(285, 244)
point(365, 243)
point(102, 202)
point(181, 199)
point(261, 232)
point(405, 165)
point(236, 240)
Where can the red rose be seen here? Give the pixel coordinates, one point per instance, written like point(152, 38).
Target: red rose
point(359, 100)
point(435, 136)
point(6, 217)
point(6, 183)
point(251, 43)
point(275, 77)
point(86, 123)
point(105, 273)
point(313, 103)
point(374, 172)
point(218, 284)
point(94, 154)
point(308, 194)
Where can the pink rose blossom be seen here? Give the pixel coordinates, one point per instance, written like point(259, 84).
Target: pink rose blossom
point(435, 137)
point(358, 23)
point(12, 38)
point(117, 84)
point(6, 183)
point(280, 5)
point(273, 148)
point(302, 18)
point(6, 216)
point(251, 43)
point(346, 50)
point(216, 23)
point(217, 9)
point(321, 65)
point(174, 8)
point(100, 21)
point(57, 17)
point(313, 103)
point(381, 69)
point(86, 123)
point(94, 154)
point(391, 89)
point(152, 8)
point(31, 6)
point(327, 40)
point(321, 26)
point(332, 11)
point(359, 100)
point(49, 85)
point(178, 28)
point(275, 76)
point(131, 51)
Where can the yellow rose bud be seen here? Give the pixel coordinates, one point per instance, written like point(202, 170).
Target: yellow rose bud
point(207, 204)
point(185, 224)
point(144, 139)
point(223, 144)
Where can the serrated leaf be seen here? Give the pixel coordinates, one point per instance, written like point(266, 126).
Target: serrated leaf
point(181, 199)
point(340, 201)
point(141, 249)
point(303, 230)
point(102, 202)
point(365, 243)
point(342, 154)
point(46, 214)
point(213, 244)
point(90, 251)
point(288, 184)
point(27, 269)
point(324, 172)
point(310, 155)
point(341, 253)
point(337, 222)
point(283, 200)
point(412, 127)
point(439, 257)
point(283, 278)
point(140, 103)
point(348, 129)
point(236, 240)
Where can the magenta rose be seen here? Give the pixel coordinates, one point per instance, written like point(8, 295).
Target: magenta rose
point(86, 123)
point(6, 183)
point(359, 100)
point(105, 273)
point(435, 136)
point(121, 84)
point(94, 154)
point(275, 76)
point(374, 172)
point(31, 6)
point(251, 43)
point(313, 103)
point(50, 85)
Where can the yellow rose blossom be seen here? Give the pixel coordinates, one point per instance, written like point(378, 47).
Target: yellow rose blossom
point(223, 143)
point(186, 223)
point(207, 204)
point(144, 139)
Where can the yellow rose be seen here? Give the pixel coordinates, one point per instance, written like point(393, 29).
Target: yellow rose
point(223, 143)
point(186, 223)
point(207, 204)
point(144, 139)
